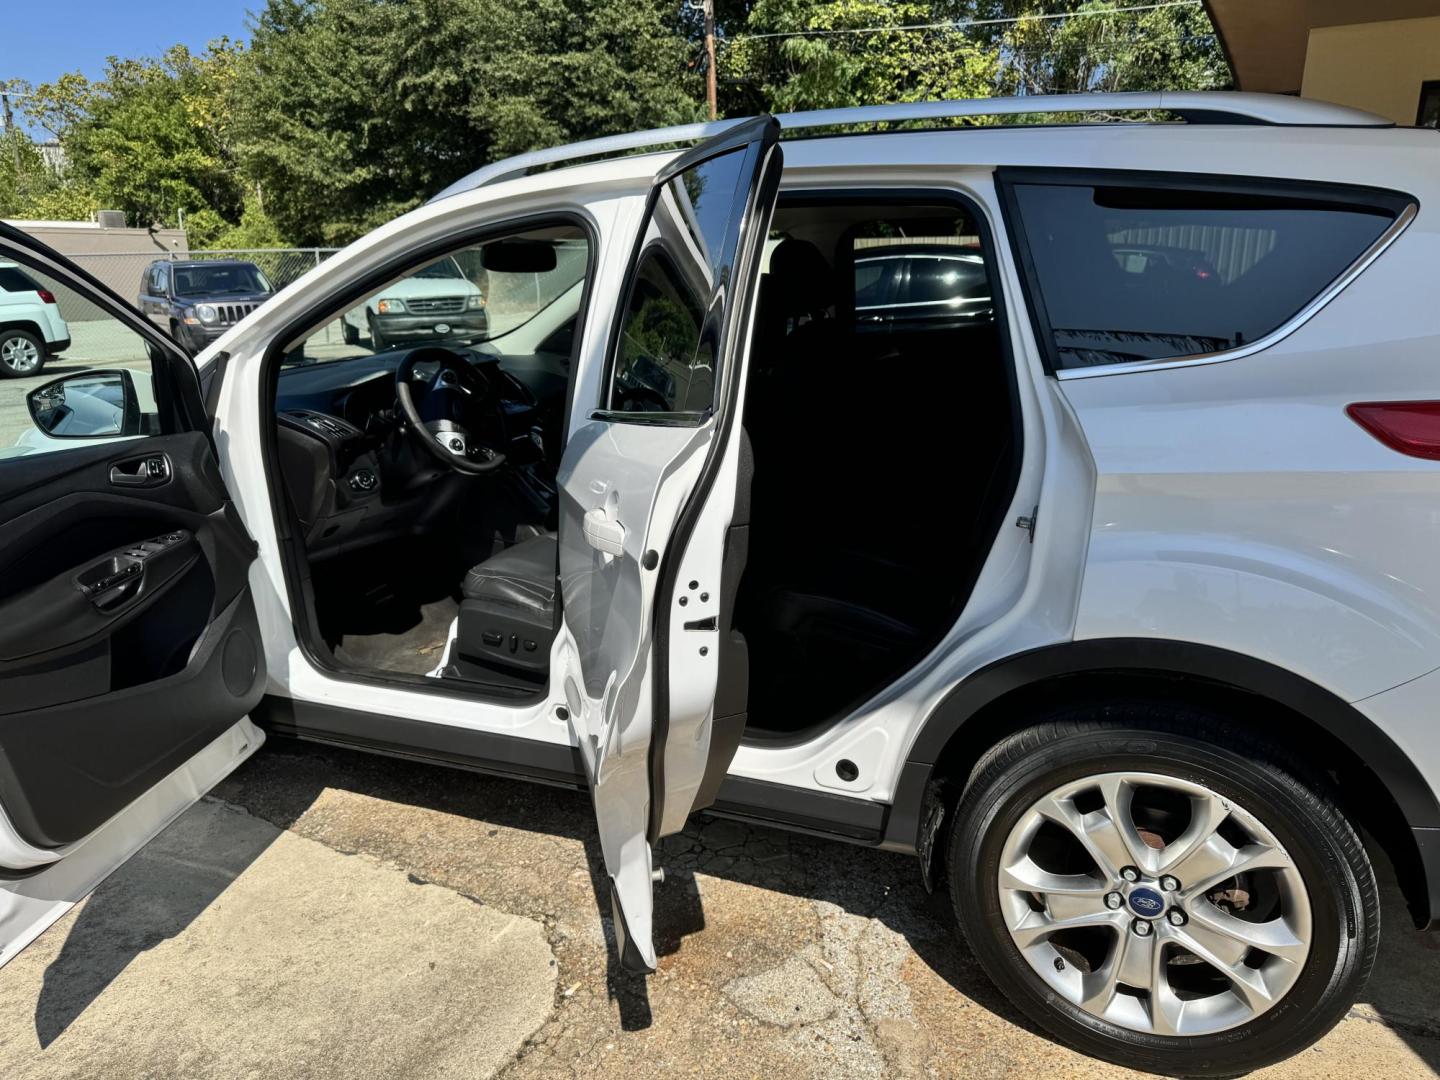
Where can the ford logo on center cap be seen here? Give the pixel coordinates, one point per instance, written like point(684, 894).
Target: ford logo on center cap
point(1147, 903)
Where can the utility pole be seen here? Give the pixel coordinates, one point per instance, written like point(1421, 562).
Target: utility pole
point(710, 56)
point(10, 130)
point(707, 7)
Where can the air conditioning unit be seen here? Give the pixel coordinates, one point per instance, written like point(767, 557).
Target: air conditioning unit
point(110, 219)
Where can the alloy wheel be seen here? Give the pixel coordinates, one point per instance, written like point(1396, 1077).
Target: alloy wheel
point(1154, 903)
point(20, 355)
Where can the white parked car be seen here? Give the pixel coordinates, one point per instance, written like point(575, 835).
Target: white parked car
point(438, 303)
point(31, 329)
point(1115, 600)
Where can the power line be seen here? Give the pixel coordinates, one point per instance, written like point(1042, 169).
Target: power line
point(965, 24)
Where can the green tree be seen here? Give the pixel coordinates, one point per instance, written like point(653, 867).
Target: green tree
point(786, 54)
point(839, 53)
point(67, 200)
point(150, 138)
point(1104, 49)
point(256, 229)
point(22, 172)
point(30, 187)
point(57, 107)
point(347, 112)
point(343, 113)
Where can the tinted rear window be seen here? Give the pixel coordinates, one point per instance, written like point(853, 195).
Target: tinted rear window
point(944, 280)
point(1137, 273)
point(13, 279)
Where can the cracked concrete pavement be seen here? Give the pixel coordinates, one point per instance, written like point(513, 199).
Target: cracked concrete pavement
point(779, 954)
point(228, 947)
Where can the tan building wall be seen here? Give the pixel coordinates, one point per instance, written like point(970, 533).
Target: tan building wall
point(117, 257)
point(1374, 66)
point(87, 238)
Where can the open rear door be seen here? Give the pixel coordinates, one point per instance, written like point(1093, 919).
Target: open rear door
point(648, 488)
point(130, 652)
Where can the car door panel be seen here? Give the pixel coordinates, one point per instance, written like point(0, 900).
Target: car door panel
point(171, 651)
point(646, 504)
point(610, 599)
point(130, 650)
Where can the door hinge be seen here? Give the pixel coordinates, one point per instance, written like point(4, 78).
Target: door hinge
point(1029, 523)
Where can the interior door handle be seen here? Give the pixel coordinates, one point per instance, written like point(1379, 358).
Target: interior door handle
point(148, 471)
point(604, 533)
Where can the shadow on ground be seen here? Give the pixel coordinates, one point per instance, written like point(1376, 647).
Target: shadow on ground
point(132, 912)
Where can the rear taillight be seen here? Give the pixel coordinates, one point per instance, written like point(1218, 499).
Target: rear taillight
point(46, 296)
point(1411, 427)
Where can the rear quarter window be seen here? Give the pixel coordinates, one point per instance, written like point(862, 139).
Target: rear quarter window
point(1126, 273)
point(13, 279)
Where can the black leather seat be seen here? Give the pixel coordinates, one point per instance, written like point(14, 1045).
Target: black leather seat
point(522, 576)
point(507, 617)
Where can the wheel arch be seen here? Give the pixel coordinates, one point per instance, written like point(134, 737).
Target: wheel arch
point(1384, 791)
point(23, 324)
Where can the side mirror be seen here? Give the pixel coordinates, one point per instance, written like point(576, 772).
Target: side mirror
point(517, 256)
point(87, 405)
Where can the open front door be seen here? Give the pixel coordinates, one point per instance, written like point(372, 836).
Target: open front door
point(648, 488)
point(130, 652)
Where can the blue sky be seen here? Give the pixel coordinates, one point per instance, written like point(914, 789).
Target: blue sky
point(47, 38)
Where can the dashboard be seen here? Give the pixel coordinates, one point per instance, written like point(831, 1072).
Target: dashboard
point(355, 477)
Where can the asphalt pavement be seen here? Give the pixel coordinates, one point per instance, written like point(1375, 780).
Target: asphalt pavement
point(333, 914)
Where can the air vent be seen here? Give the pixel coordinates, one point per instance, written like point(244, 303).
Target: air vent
point(522, 393)
point(110, 219)
point(326, 425)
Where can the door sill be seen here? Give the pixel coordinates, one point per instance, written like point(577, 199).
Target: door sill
point(816, 813)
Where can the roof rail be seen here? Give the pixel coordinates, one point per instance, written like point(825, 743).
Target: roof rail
point(1193, 106)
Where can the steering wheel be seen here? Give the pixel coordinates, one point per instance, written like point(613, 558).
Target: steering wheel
point(641, 398)
point(453, 406)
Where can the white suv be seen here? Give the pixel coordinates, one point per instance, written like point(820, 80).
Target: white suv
point(1114, 597)
point(31, 329)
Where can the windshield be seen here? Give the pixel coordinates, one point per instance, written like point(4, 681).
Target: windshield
point(222, 280)
point(520, 287)
point(445, 268)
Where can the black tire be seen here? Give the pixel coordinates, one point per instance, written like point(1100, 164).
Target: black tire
point(349, 332)
point(181, 336)
point(1195, 747)
point(30, 344)
point(377, 338)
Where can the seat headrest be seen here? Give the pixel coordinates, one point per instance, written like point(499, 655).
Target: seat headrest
point(800, 281)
